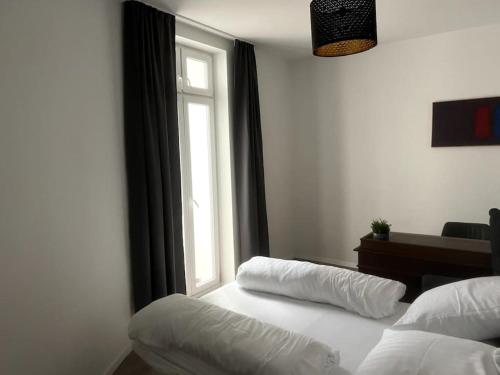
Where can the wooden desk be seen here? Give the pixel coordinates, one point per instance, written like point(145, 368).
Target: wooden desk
point(406, 257)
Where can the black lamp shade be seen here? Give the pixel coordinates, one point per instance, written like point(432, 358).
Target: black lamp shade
point(343, 27)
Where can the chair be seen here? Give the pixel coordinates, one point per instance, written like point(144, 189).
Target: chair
point(474, 231)
point(466, 230)
point(495, 239)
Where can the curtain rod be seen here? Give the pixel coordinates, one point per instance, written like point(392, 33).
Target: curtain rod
point(210, 29)
point(188, 21)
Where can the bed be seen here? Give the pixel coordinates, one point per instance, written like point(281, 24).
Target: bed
point(285, 317)
point(350, 333)
point(353, 335)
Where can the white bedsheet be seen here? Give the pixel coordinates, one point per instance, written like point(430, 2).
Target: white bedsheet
point(353, 335)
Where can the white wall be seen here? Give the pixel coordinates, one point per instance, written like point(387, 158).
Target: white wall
point(278, 142)
point(368, 153)
point(64, 276)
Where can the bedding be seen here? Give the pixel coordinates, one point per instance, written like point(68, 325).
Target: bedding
point(496, 358)
point(424, 353)
point(353, 335)
point(229, 341)
point(367, 295)
point(468, 309)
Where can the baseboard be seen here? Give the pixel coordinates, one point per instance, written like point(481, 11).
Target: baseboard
point(327, 260)
point(118, 360)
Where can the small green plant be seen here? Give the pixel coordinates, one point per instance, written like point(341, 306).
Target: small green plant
point(380, 226)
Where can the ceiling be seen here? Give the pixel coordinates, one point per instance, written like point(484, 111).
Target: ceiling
point(284, 24)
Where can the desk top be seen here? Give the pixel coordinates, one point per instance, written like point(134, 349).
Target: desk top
point(407, 257)
point(424, 240)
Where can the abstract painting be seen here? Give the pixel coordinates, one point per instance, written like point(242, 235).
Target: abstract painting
point(472, 122)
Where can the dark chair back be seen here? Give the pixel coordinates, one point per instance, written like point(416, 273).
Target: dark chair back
point(472, 231)
point(495, 239)
point(466, 230)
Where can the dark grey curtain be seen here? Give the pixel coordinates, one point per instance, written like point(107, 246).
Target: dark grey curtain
point(248, 156)
point(152, 153)
point(495, 239)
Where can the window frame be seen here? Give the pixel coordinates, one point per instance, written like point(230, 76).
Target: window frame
point(186, 53)
point(186, 95)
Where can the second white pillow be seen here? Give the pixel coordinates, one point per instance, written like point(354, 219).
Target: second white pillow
point(469, 309)
point(424, 353)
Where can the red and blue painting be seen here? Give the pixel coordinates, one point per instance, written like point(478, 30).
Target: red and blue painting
point(472, 122)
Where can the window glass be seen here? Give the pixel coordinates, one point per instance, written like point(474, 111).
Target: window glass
point(197, 73)
point(203, 216)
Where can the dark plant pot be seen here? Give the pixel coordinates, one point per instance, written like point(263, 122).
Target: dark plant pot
point(381, 236)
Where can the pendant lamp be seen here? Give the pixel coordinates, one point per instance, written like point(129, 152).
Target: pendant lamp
point(343, 27)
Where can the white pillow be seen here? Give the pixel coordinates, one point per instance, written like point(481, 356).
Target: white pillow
point(367, 295)
point(469, 309)
point(424, 353)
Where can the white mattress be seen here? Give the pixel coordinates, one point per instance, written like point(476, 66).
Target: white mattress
point(351, 334)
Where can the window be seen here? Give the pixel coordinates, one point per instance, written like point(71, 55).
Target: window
point(198, 168)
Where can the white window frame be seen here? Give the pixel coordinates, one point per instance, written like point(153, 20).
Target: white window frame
point(191, 53)
point(186, 95)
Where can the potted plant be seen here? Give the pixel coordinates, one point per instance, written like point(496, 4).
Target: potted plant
point(380, 229)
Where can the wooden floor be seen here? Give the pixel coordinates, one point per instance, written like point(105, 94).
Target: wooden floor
point(133, 365)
